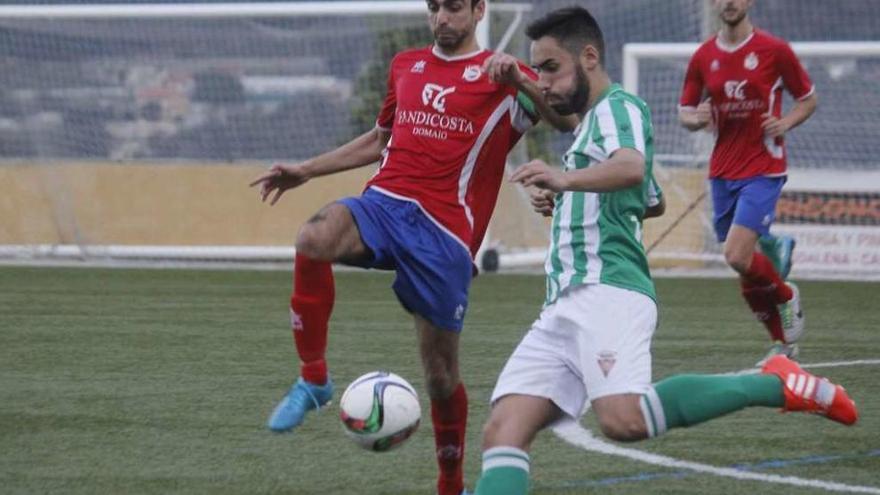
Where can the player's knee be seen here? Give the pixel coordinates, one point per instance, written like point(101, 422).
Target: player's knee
point(440, 383)
point(310, 242)
point(624, 428)
point(738, 259)
point(491, 431)
point(500, 430)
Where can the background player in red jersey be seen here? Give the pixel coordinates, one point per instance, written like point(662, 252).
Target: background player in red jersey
point(744, 70)
point(442, 135)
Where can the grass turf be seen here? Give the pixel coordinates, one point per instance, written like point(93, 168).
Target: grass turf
point(152, 381)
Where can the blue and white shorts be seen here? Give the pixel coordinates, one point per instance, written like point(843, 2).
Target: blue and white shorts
point(434, 270)
point(749, 203)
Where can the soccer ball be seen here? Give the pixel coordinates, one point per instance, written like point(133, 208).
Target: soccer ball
point(380, 410)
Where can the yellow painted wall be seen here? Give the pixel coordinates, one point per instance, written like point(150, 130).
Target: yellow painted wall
point(155, 204)
point(211, 204)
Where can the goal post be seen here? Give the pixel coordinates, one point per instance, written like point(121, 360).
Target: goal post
point(831, 202)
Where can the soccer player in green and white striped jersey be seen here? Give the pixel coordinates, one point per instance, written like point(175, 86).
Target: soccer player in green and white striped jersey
point(591, 345)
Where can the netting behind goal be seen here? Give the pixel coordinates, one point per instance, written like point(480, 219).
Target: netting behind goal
point(131, 132)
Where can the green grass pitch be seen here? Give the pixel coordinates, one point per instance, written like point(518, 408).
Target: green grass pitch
point(160, 381)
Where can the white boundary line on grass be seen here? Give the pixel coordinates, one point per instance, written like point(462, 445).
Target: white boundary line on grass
point(828, 364)
point(573, 433)
point(836, 364)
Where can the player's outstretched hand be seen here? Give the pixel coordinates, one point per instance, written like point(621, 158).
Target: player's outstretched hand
point(280, 178)
point(773, 127)
point(542, 202)
point(504, 69)
point(539, 174)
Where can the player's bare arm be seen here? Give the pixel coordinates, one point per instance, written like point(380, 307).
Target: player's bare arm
point(504, 69)
point(694, 119)
point(361, 151)
point(625, 168)
point(802, 110)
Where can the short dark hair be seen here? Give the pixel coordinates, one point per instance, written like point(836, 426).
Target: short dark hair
point(573, 27)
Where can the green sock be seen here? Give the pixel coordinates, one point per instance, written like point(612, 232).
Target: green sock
point(505, 472)
point(686, 400)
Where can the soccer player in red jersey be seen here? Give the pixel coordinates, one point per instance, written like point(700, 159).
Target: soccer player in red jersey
point(744, 70)
point(442, 136)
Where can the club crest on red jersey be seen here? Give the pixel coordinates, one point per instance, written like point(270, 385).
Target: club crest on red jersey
point(472, 73)
point(751, 61)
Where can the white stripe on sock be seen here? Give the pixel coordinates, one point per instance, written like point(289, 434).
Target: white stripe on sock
point(657, 408)
point(647, 416)
point(505, 457)
point(504, 461)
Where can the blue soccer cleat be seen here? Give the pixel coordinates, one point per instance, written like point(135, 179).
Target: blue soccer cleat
point(785, 247)
point(302, 398)
point(779, 250)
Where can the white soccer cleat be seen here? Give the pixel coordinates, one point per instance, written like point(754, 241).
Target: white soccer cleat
point(792, 316)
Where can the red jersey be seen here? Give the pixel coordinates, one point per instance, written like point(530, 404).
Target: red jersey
point(745, 82)
point(451, 130)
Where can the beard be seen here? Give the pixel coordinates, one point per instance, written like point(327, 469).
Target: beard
point(577, 99)
point(449, 39)
point(733, 21)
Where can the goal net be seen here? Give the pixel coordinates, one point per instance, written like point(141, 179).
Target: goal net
point(129, 132)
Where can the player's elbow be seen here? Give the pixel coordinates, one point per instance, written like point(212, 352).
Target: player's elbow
point(633, 172)
point(810, 103)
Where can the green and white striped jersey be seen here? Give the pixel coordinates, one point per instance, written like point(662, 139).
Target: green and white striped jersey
point(597, 237)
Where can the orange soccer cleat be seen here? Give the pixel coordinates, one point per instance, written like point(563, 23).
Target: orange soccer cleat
point(810, 393)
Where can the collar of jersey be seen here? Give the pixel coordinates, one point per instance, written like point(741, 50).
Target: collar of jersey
point(437, 53)
point(610, 89)
point(722, 45)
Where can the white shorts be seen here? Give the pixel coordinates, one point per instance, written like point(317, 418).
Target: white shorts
point(594, 341)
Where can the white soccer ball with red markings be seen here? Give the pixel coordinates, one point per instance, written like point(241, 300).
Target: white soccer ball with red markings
point(380, 410)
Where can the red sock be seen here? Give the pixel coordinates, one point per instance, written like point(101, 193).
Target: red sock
point(761, 300)
point(310, 308)
point(450, 420)
point(762, 274)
